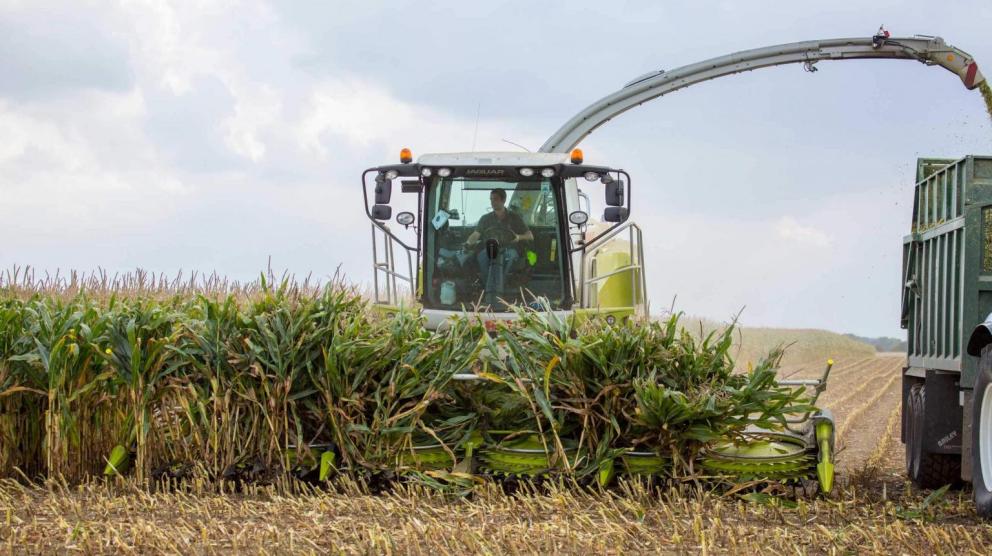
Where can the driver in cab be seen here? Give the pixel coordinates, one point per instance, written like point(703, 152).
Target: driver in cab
point(500, 224)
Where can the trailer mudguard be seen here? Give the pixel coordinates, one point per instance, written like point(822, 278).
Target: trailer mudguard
point(981, 336)
point(942, 430)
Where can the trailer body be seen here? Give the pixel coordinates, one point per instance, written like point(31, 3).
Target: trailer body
point(946, 292)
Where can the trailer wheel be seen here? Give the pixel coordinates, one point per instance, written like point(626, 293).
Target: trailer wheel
point(981, 435)
point(925, 469)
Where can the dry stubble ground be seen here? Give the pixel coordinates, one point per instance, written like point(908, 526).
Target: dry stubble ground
point(874, 509)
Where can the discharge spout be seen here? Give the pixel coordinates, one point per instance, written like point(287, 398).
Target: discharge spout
point(956, 61)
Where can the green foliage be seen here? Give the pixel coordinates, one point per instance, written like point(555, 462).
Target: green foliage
point(646, 387)
point(925, 510)
point(264, 382)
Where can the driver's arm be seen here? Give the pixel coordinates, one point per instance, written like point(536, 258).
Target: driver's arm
point(476, 234)
point(521, 231)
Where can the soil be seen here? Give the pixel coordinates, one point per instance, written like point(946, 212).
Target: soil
point(862, 394)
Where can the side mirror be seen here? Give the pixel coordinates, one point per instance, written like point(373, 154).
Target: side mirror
point(615, 214)
point(383, 190)
point(405, 218)
point(578, 217)
point(382, 212)
point(614, 193)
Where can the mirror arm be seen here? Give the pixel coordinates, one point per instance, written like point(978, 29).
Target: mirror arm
point(615, 225)
point(368, 213)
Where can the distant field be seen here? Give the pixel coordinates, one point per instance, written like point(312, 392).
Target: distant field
point(805, 347)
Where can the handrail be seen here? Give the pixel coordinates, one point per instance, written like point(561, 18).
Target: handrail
point(818, 384)
point(635, 266)
point(387, 266)
point(599, 241)
point(602, 277)
point(382, 228)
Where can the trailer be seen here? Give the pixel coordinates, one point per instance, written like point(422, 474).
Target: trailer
point(946, 301)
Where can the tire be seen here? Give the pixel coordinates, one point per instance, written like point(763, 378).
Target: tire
point(925, 469)
point(981, 436)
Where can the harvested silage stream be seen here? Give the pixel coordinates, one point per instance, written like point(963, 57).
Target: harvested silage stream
point(986, 92)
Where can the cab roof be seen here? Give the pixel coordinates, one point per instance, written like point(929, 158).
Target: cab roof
point(493, 159)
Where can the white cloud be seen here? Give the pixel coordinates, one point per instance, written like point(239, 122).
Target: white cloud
point(364, 114)
point(257, 108)
point(173, 42)
point(74, 171)
point(790, 229)
point(58, 147)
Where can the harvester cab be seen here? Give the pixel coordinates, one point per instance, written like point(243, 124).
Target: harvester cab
point(487, 231)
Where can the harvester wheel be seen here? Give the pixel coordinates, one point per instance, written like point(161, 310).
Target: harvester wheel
point(981, 435)
point(925, 469)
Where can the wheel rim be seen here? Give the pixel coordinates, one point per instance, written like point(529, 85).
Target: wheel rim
point(984, 435)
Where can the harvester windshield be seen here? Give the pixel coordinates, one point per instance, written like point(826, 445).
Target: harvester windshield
point(491, 231)
point(492, 243)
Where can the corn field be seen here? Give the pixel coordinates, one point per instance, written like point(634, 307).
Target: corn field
point(259, 381)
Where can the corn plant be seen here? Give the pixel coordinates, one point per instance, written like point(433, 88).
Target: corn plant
point(281, 342)
point(415, 399)
point(218, 428)
point(21, 406)
point(138, 336)
point(61, 366)
point(384, 385)
point(698, 399)
point(576, 380)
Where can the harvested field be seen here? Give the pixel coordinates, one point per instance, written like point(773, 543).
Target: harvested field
point(875, 510)
point(864, 397)
point(101, 519)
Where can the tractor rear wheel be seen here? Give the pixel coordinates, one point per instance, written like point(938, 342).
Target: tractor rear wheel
point(981, 435)
point(926, 469)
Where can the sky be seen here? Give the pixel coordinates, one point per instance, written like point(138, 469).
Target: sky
point(220, 136)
